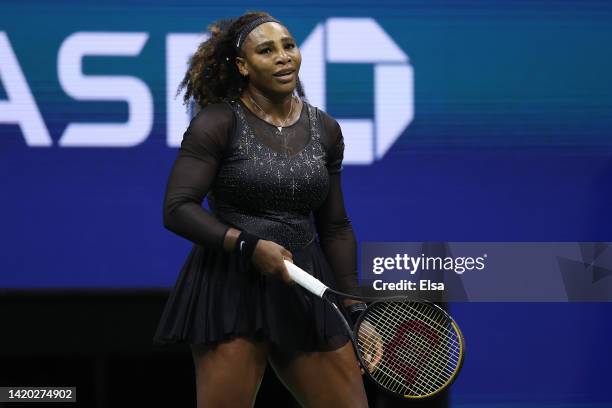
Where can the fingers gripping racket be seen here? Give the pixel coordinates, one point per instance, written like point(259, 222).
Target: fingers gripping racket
point(412, 349)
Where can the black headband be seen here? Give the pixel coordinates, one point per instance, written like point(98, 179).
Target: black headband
point(246, 30)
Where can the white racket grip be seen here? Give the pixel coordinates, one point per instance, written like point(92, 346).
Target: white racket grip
point(305, 280)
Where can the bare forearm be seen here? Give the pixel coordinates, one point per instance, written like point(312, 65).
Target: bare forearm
point(229, 242)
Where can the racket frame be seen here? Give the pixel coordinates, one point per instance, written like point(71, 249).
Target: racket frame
point(320, 290)
point(354, 333)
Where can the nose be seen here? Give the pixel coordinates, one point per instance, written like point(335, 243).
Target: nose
point(283, 56)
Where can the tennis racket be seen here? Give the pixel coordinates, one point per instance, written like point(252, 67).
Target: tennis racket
point(412, 349)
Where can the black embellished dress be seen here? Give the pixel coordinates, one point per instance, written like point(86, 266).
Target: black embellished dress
point(280, 185)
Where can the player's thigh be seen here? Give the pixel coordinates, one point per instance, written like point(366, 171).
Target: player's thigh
point(229, 374)
point(322, 379)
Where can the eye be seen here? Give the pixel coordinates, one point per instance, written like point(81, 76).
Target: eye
point(289, 46)
point(266, 50)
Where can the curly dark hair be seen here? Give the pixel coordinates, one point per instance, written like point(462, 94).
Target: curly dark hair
point(212, 75)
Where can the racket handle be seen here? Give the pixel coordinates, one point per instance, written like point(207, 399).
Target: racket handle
point(305, 280)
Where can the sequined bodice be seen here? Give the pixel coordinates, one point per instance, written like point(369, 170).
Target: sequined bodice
point(269, 193)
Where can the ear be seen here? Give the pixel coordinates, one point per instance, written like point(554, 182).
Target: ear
point(242, 66)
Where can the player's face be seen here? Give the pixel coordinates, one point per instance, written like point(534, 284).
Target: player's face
point(271, 59)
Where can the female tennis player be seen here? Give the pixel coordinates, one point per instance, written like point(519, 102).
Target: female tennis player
point(270, 164)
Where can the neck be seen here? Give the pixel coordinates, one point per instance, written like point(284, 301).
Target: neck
point(276, 106)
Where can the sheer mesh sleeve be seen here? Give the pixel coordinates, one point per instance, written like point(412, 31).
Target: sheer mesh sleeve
point(333, 225)
point(334, 143)
point(192, 175)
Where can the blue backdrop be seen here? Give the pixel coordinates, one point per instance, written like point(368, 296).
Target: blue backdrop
point(467, 121)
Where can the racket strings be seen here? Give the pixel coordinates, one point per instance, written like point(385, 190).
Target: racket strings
point(388, 330)
point(387, 375)
point(394, 378)
point(408, 368)
point(420, 347)
point(422, 316)
point(402, 361)
point(405, 364)
point(443, 326)
point(439, 333)
point(423, 354)
point(428, 352)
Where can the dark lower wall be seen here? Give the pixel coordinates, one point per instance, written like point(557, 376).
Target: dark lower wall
point(100, 342)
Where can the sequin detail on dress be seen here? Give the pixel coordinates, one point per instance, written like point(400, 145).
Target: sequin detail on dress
point(269, 193)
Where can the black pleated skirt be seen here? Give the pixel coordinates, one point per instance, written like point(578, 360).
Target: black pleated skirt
point(217, 297)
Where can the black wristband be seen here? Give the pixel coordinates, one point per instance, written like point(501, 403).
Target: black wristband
point(245, 245)
point(355, 311)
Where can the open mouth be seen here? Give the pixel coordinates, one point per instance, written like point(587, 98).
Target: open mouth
point(284, 73)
